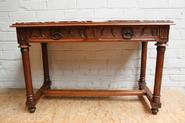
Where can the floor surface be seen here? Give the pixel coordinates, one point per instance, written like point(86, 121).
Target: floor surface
point(91, 110)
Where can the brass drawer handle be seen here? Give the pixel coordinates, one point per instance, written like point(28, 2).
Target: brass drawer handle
point(127, 33)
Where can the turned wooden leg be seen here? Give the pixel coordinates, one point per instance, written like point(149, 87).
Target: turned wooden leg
point(143, 64)
point(47, 81)
point(30, 102)
point(156, 104)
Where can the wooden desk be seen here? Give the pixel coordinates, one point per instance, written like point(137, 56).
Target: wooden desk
point(110, 31)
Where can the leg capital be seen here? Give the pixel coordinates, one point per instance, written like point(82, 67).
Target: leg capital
point(161, 44)
point(24, 47)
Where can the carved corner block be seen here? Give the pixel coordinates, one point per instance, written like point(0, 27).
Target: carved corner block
point(22, 35)
point(164, 33)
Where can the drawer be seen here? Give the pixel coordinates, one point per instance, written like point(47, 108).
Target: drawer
point(93, 34)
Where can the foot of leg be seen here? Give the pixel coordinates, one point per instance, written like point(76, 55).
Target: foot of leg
point(32, 109)
point(30, 103)
point(154, 111)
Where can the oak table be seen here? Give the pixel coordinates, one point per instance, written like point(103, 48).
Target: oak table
point(89, 31)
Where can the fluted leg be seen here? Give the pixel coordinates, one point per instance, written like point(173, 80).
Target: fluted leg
point(156, 104)
point(30, 102)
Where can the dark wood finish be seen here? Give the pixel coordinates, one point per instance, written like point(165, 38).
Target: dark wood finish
point(39, 92)
point(93, 93)
point(47, 80)
point(94, 34)
point(143, 64)
point(30, 102)
point(88, 31)
point(148, 93)
point(158, 77)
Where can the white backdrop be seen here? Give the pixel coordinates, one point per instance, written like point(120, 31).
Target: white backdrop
point(91, 65)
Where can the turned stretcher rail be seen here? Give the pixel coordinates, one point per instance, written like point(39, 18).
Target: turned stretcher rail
point(92, 93)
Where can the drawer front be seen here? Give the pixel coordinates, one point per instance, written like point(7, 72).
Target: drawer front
point(94, 33)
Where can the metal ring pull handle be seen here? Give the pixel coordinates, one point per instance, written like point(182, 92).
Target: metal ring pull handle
point(127, 33)
point(56, 35)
